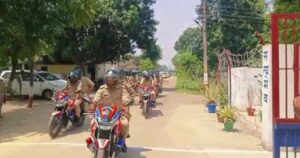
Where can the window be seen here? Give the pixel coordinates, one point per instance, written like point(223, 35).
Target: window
point(6, 75)
point(25, 76)
point(38, 78)
point(48, 76)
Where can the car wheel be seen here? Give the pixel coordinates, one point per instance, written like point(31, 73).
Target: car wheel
point(47, 94)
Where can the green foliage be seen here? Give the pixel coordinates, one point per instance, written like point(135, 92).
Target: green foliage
point(120, 26)
point(189, 69)
point(228, 113)
point(191, 40)
point(223, 97)
point(232, 26)
point(28, 28)
point(153, 52)
point(146, 64)
point(286, 6)
point(188, 65)
point(212, 93)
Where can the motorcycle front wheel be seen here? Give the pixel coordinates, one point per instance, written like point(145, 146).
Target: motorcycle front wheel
point(54, 126)
point(146, 108)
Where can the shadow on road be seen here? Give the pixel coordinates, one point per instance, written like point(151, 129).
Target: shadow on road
point(234, 131)
point(134, 152)
point(169, 89)
point(155, 113)
point(19, 122)
point(161, 96)
point(71, 130)
point(159, 104)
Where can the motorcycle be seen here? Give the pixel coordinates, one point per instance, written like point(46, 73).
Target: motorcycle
point(158, 89)
point(105, 140)
point(146, 104)
point(64, 112)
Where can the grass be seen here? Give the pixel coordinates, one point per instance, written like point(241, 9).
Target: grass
point(189, 86)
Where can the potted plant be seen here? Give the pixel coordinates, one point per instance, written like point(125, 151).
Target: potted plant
point(211, 97)
point(228, 113)
point(223, 99)
point(219, 117)
point(250, 109)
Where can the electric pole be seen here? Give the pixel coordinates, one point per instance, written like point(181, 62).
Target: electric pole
point(205, 58)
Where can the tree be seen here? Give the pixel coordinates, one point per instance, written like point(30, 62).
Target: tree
point(233, 25)
point(146, 64)
point(119, 28)
point(188, 65)
point(286, 6)
point(29, 27)
point(153, 52)
point(191, 40)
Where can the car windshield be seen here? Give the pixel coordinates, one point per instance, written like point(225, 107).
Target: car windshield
point(48, 76)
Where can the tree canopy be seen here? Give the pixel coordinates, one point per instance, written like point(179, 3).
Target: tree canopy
point(188, 65)
point(191, 40)
point(146, 64)
point(232, 24)
point(28, 27)
point(118, 29)
point(286, 6)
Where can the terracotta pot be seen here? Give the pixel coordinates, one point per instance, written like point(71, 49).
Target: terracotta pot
point(220, 119)
point(251, 111)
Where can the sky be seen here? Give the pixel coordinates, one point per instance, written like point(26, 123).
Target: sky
point(174, 17)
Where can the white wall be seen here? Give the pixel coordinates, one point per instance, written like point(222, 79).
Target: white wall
point(243, 81)
point(102, 68)
point(267, 128)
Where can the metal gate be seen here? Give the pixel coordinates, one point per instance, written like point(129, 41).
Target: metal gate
point(285, 83)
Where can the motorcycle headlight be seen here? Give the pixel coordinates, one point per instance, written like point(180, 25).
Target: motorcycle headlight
point(146, 96)
point(105, 128)
point(103, 134)
point(60, 103)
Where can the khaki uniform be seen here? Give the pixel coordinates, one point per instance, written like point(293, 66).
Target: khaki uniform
point(132, 80)
point(73, 90)
point(115, 95)
point(148, 83)
point(158, 81)
point(86, 84)
point(2, 93)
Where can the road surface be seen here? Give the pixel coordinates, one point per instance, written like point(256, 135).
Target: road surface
point(179, 127)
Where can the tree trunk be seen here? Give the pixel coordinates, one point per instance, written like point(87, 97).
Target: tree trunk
point(14, 63)
point(30, 97)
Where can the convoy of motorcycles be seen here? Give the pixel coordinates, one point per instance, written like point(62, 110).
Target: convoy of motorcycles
point(104, 140)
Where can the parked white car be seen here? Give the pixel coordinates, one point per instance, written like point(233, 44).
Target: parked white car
point(44, 84)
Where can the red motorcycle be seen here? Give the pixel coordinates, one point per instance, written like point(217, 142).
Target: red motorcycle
point(146, 104)
point(105, 140)
point(64, 112)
